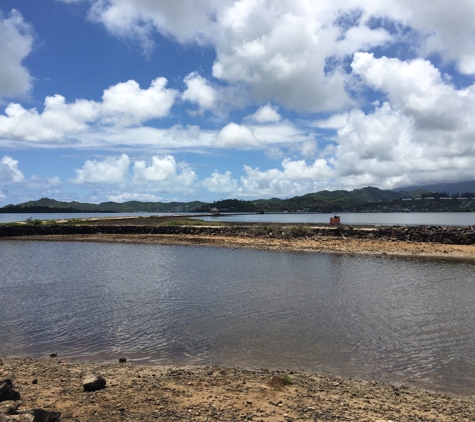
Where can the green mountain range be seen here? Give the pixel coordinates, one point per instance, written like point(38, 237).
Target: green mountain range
point(51, 205)
point(324, 201)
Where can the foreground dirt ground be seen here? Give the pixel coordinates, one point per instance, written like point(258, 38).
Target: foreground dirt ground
point(209, 393)
point(320, 244)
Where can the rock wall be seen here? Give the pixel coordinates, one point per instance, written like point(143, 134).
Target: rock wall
point(434, 234)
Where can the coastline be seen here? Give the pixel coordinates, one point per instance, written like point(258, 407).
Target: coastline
point(322, 244)
point(212, 393)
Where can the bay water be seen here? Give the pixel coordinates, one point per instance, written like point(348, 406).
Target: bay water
point(383, 219)
point(408, 321)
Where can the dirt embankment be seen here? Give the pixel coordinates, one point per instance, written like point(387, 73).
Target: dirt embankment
point(322, 244)
point(424, 234)
point(209, 393)
point(421, 241)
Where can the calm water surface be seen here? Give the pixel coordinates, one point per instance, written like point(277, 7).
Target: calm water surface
point(400, 320)
point(14, 217)
point(384, 219)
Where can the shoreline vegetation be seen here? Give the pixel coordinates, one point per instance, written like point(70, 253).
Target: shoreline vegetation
point(211, 393)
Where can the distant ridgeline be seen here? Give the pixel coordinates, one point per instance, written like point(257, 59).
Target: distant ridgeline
point(16, 209)
point(368, 199)
point(46, 205)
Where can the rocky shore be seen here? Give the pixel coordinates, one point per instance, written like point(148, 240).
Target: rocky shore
point(427, 234)
point(211, 393)
point(422, 242)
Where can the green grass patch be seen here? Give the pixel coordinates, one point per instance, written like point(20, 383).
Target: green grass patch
point(13, 224)
point(74, 220)
point(280, 381)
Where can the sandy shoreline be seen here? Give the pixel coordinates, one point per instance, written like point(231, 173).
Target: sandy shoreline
point(319, 245)
point(210, 393)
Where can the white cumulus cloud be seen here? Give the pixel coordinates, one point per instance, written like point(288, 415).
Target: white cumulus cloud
point(110, 170)
point(236, 136)
point(123, 105)
point(127, 104)
point(199, 91)
point(164, 172)
point(221, 182)
point(295, 178)
point(16, 45)
point(265, 114)
point(9, 171)
point(281, 49)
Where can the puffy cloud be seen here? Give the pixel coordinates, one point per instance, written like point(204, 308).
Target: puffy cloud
point(277, 48)
point(265, 114)
point(417, 88)
point(110, 170)
point(449, 28)
point(58, 118)
point(292, 51)
point(259, 136)
point(187, 20)
point(280, 50)
point(424, 132)
point(9, 171)
point(165, 172)
point(236, 136)
point(295, 178)
point(221, 183)
point(124, 104)
point(387, 149)
point(17, 42)
point(199, 91)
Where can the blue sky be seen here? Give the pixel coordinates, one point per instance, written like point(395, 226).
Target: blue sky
point(210, 99)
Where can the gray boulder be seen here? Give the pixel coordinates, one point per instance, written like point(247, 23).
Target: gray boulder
point(93, 382)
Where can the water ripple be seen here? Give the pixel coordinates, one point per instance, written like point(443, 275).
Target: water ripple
point(395, 319)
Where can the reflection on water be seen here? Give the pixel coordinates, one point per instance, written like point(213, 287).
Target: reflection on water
point(394, 319)
point(364, 218)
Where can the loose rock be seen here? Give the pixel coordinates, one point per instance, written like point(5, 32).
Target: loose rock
point(7, 391)
point(41, 415)
point(94, 382)
point(9, 407)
